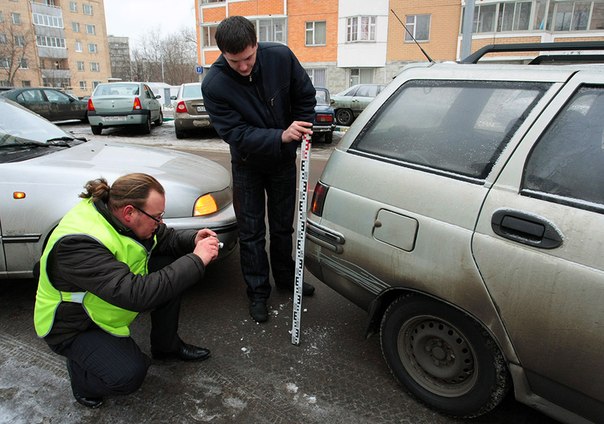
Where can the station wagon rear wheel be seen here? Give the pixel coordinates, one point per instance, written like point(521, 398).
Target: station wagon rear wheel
point(443, 357)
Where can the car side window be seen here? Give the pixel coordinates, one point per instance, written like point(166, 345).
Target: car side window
point(365, 91)
point(56, 97)
point(30, 96)
point(567, 163)
point(458, 127)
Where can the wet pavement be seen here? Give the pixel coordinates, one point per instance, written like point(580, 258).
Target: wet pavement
point(255, 374)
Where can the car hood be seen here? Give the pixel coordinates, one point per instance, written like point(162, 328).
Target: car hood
point(184, 176)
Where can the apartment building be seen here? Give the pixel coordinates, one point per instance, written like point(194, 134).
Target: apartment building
point(345, 42)
point(54, 43)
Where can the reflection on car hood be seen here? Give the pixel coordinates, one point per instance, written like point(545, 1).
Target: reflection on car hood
point(184, 176)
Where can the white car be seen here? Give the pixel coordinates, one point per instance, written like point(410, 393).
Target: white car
point(43, 169)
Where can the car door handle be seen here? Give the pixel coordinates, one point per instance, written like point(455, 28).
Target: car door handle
point(526, 228)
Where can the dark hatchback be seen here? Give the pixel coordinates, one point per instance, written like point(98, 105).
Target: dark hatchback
point(49, 103)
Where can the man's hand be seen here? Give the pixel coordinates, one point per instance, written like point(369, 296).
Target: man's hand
point(295, 131)
point(206, 245)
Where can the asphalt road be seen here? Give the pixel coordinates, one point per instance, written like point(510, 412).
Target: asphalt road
point(255, 374)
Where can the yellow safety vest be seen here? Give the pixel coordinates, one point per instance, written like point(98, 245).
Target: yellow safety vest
point(84, 219)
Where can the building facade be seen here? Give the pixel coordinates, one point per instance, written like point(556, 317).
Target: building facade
point(345, 42)
point(119, 53)
point(54, 43)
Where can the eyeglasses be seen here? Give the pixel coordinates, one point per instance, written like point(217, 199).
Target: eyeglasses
point(156, 219)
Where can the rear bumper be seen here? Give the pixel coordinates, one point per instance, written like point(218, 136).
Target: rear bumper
point(191, 122)
point(117, 119)
point(323, 128)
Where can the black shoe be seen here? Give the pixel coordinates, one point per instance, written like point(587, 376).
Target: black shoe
point(258, 311)
point(88, 402)
point(186, 352)
point(307, 288)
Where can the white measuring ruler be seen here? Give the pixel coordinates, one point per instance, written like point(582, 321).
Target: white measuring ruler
point(300, 236)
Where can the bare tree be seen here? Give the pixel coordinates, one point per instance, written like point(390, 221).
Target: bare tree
point(169, 59)
point(17, 49)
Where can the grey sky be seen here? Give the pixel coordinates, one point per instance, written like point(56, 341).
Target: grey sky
point(134, 18)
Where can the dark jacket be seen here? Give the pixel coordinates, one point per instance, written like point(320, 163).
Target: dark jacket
point(250, 113)
point(80, 263)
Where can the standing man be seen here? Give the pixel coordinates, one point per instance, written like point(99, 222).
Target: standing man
point(261, 102)
point(95, 278)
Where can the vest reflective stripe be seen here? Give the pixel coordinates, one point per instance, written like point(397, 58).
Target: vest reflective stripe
point(75, 297)
point(84, 219)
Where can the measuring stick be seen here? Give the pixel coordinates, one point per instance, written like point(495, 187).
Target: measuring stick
point(300, 236)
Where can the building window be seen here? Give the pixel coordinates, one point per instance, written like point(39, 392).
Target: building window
point(16, 17)
point(95, 67)
point(45, 41)
point(360, 76)
point(316, 33)
point(571, 16)
point(271, 30)
point(360, 28)
point(78, 46)
point(1, 17)
point(87, 9)
point(92, 48)
point(19, 40)
point(318, 77)
point(3, 39)
point(90, 29)
point(4, 63)
point(209, 36)
point(212, 1)
point(47, 20)
point(75, 26)
point(26, 83)
point(514, 16)
point(418, 26)
point(23, 64)
point(73, 6)
point(83, 85)
point(80, 64)
point(95, 83)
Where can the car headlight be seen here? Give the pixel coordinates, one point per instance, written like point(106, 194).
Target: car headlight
point(212, 202)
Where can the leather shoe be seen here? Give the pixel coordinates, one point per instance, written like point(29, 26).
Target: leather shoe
point(307, 288)
point(185, 352)
point(88, 402)
point(258, 311)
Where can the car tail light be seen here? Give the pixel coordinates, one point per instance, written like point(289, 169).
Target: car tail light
point(90, 106)
point(181, 107)
point(137, 104)
point(318, 198)
point(324, 117)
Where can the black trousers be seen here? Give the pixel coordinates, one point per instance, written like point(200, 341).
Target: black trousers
point(105, 365)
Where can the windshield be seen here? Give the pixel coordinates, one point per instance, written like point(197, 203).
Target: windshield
point(19, 126)
point(117, 89)
point(192, 91)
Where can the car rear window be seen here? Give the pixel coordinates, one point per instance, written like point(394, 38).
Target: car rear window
point(458, 127)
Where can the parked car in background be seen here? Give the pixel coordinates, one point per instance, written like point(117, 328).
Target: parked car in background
point(464, 210)
point(43, 169)
point(124, 104)
point(190, 113)
point(349, 104)
point(49, 103)
point(324, 123)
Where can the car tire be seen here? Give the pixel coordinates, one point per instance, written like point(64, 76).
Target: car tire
point(96, 129)
point(159, 120)
point(146, 126)
point(443, 357)
point(180, 134)
point(328, 137)
point(344, 117)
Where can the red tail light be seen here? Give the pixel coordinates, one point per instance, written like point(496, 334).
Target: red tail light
point(90, 106)
point(181, 107)
point(324, 117)
point(318, 199)
point(137, 104)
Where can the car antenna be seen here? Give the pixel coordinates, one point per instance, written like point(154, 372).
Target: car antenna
point(411, 35)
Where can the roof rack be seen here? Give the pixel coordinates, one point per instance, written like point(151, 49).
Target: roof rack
point(527, 47)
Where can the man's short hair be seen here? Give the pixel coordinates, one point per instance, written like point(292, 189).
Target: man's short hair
point(235, 34)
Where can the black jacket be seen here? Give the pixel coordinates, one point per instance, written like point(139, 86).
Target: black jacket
point(81, 263)
point(250, 113)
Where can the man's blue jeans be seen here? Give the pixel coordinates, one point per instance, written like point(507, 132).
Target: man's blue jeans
point(255, 190)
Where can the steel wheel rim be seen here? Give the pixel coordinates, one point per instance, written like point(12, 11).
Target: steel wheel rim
point(437, 356)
